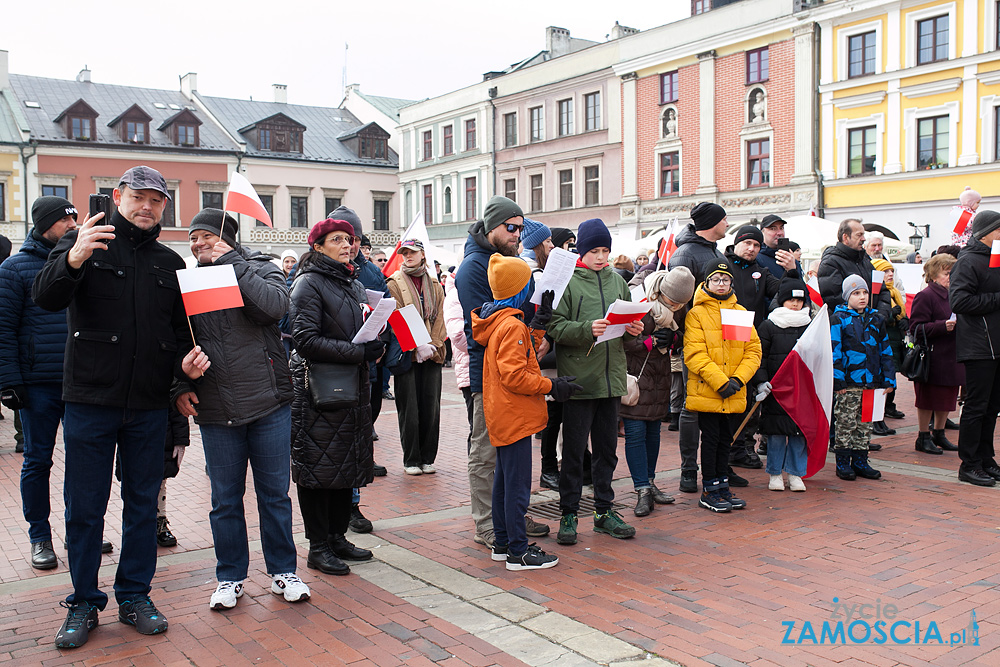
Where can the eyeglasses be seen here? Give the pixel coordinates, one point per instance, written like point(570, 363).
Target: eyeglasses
point(720, 281)
point(349, 240)
point(514, 228)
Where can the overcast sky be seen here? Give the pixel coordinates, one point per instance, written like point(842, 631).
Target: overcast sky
point(411, 50)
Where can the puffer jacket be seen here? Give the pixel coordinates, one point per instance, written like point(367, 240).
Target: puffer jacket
point(249, 376)
point(400, 290)
point(330, 450)
point(711, 361)
point(32, 340)
point(837, 263)
point(754, 286)
point(974, 294)
point(588, 295)
point(861, 353)
point(454, 323)
point(694, 252)
point(777, 338)
point(512, 382)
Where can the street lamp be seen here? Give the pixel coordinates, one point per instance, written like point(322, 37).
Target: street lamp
point(916, 238)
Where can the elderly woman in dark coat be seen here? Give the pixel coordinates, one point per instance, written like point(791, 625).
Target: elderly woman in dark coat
point(931, 315)
point(331, 450)
point(648, 358)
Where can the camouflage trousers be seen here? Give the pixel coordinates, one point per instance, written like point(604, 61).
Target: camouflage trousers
point(850, 431)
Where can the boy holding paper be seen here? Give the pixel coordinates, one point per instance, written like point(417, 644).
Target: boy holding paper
point(718, 371)
point(862, 361)
point(600, 369)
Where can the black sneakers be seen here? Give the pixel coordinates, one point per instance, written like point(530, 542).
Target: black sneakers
point(142, 614)
point(358, 522)
point(80, 620)
point(532, 559)
point(163, 535)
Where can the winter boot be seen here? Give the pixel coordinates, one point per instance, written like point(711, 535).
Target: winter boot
point(643, 502)
point(859, 461)
point(728, 496)
point(939, 438)
point(710, 498)
point(844, 469)
point(925, 444)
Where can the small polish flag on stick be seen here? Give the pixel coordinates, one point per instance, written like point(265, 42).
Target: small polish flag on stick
point(877, 278)
point(814, 294)
point(909, 303)
point(873, 405)
point(963, 219)
point(736, 324)
point(995, 255)
point(209, 288)
point(409, 328)
point(242, 198)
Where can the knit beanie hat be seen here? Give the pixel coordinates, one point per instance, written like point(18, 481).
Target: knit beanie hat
point(592, 234)
point(534, 234)
point(290, 253)
point(718, 266)
point(47, 211)
point(560, 235)
point(707, 215)
point(507, 275)
point(882, 264)
point(677, 285)
point(792, 288)
point(852, 284)
point(969, 197)
point(498, 211)
point(365, 242)
point(348, 214)
point(748, 233)
point(210, 220)
point(984, 223)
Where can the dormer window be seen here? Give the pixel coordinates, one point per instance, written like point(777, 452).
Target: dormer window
point(133, 125)
point(368, 142)
point(135, 132)
point(279, 134)
point(82, 129)
point(182, 128)
point(186, 135)
point(372, 148)
point(264, 139)
point(79, 121)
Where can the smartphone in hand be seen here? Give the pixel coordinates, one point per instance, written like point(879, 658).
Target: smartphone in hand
point(101, 204)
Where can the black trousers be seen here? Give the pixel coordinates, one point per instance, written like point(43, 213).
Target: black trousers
point(325, 512)
point(979, 416)
point(550, 438)
point(596, 418)
point(418, 409)
point(716, 437)
point(469, 407)
point(377, 376)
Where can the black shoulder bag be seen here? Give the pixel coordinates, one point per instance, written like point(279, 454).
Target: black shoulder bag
point(917, 361)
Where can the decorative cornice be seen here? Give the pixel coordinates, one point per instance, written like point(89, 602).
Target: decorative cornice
point(989, 78)
point(862, 100)
point(931, 88)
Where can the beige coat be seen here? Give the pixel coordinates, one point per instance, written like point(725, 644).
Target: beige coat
point(399, 288)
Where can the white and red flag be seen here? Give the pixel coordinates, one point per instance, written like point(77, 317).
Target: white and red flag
point(416, 230)
point(961, 216)
point(803, 387)
point(873, 405)
point(878, 277)
point(995, 255)
point(737, 324)
point(666, 247)
point(409, 328)
point(814, 294)
point(626, 312)
point(242, 198)
point(209, 288)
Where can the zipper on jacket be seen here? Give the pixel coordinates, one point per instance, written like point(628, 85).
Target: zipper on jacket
point(989, 340)
point(607, 348)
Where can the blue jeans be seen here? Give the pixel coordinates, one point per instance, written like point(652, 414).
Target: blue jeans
point(91, 432)
point(786, 453)
point(40, 417)
point(511, 493)
point(266, 445)
point(642, 448)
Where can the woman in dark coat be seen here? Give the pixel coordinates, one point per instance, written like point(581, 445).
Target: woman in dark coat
point(648, 358)
point(931, 314)
point(331, 450)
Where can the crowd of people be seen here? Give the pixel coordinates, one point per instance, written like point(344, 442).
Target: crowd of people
point(94, 334)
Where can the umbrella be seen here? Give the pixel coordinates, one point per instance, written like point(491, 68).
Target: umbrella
point(885, 231)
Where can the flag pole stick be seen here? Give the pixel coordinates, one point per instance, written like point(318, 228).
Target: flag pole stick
point(745, 420)
point(191, 329)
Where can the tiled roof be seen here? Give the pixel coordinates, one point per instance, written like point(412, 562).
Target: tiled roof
point(10, 131)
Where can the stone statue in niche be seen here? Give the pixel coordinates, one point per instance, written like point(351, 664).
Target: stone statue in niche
point(670, 124)
point(758, 108)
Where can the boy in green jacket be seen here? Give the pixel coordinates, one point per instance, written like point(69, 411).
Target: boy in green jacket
point(593, 412)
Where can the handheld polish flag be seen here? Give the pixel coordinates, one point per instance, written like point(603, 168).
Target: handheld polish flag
point(872, 405)
point(667, 246)
point(209, 288)
point(814, 294)
point(737, 324)
point(242, 198)
point(416, 230)
point(962, 217)
point(408, 327)
point(877, 278)
point(995, 255)
point(803, 387)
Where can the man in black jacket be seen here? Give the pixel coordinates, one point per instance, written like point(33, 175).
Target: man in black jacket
point(127, 339)
point(975, 297)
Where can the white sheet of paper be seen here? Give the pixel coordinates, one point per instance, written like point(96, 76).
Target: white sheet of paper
point(953, 318)
point(374, 297)
point(558, 270)
point(638, 293)
point(613, 331)
point(376, 320)
point(620, 307)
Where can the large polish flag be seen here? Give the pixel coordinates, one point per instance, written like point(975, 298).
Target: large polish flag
point(408, 327)
point(242, 198)
point(737, 324)
point(209, 288)
point(803, 387)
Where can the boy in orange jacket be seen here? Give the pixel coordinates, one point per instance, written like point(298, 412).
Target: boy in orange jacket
point(514, 403)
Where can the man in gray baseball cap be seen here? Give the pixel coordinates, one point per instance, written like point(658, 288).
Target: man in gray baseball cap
point(144, 178)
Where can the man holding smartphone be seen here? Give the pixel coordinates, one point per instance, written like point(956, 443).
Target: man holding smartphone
point(128, 338)
point(776, 251)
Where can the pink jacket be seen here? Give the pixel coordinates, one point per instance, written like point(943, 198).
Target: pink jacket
point(454, 322)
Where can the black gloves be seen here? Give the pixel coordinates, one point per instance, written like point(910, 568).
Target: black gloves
point(564, 387)
point(664, 337)
point(897, 311)
point(543, 312)
point(730, 388)
point(13, 397)
point(374, 350)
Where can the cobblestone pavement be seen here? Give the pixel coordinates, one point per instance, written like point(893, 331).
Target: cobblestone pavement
point(752, 587)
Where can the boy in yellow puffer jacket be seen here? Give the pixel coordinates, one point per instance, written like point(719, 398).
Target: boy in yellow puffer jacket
point(718, 370)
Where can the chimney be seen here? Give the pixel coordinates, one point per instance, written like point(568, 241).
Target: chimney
point(4, 71)
point(189, 85)
point(280, 93)
point(619, 31)
point(84, 75)
point(556, 41)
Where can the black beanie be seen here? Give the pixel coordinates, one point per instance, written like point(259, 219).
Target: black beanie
point(592, 234)
point(47, 211)
point(498, 211)
point(792, 288)
point(717, 265)
point(560, 235)
point(748, 232)
point(984, 223)
point(707, 215)
point(347, 215)
point(210, 220)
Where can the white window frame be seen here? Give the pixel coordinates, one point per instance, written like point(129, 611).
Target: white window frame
point(912, 115)
point(659, 173)
point(542, 137)
point(844, 126)
point(930, 12)
point(529, 175)
point(571, 168)
point(571, 130)
point(756, 135)
point(453, 151)
point(989, 107)
point(600, 110)
point(600, 182)
point(463, 121)
point(58, 180)
point(843, 47)
point(990, 25)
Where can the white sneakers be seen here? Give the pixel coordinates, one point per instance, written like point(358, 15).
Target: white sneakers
point(428, 469)
point(413, 470)
point(795, 483)
point(776, 483)
point(226, 594)
point(289, 585)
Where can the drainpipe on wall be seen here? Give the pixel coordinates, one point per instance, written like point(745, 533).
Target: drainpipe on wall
point(24, 179)
point(493, 137)
point(239, 227)
point(817, 111)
